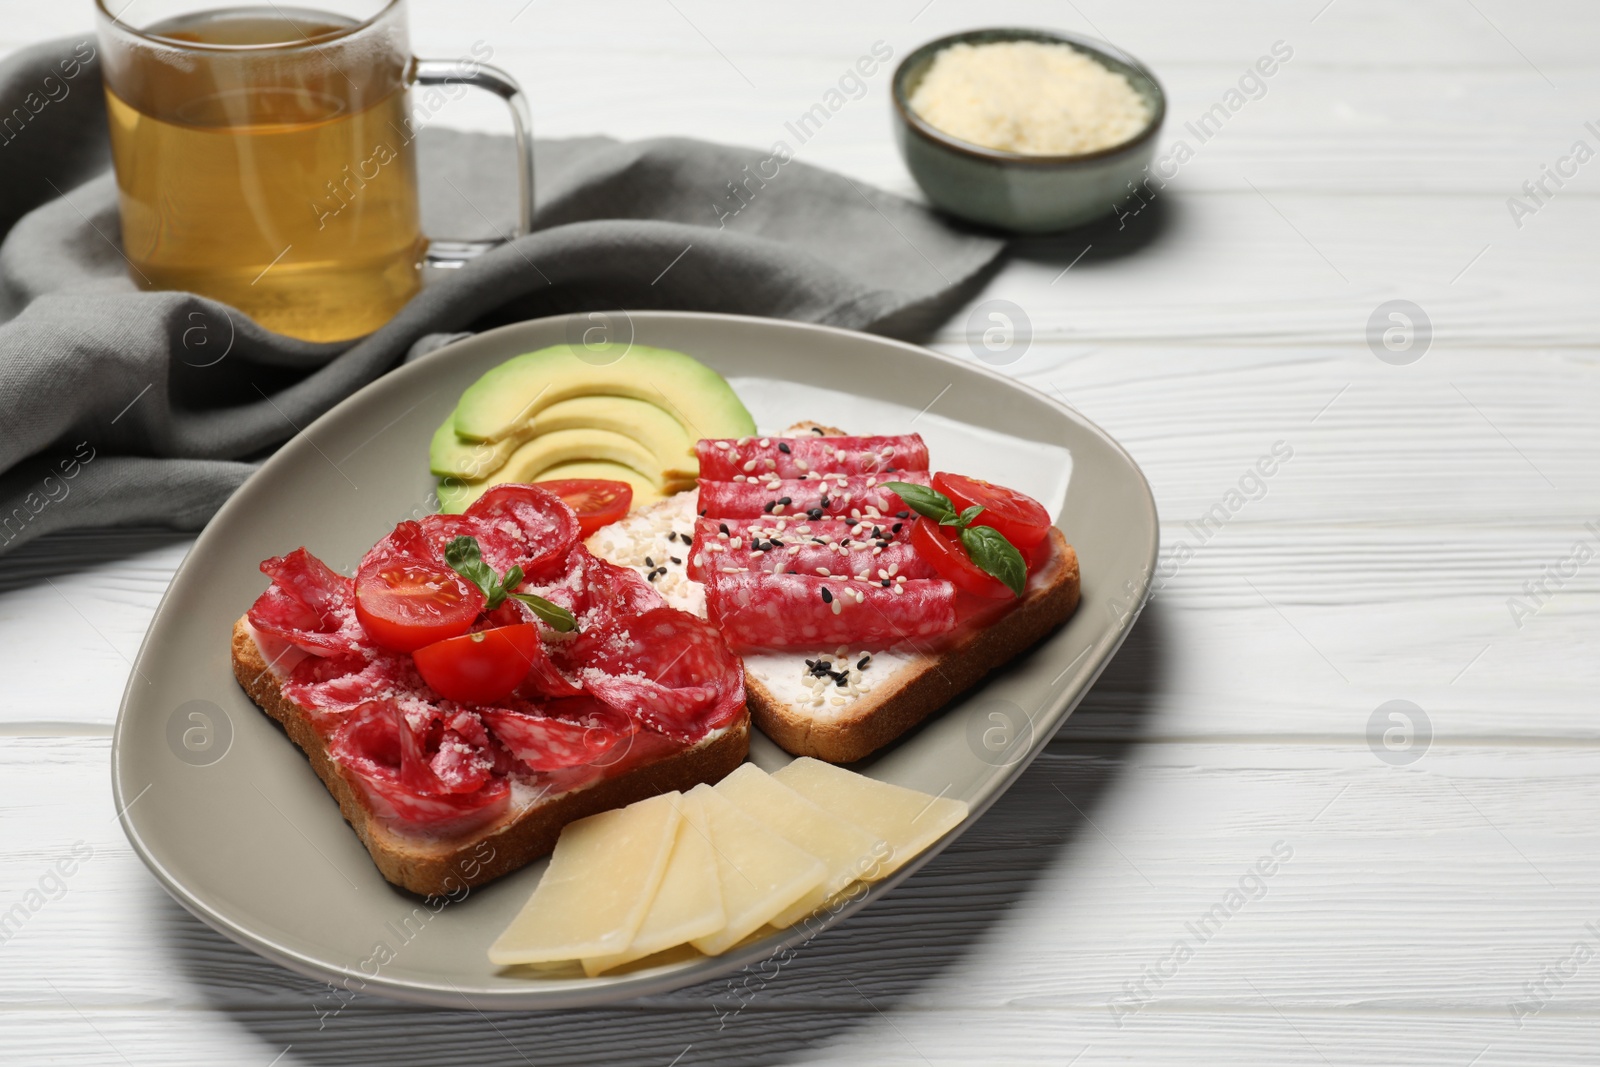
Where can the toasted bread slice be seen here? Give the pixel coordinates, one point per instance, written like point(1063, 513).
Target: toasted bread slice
point(907, 684)
point(439, 866)
point(928, 679)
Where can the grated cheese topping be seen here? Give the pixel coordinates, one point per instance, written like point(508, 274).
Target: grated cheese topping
point(1029, 97)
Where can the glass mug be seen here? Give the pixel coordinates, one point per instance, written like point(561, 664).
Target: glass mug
point(265, 158)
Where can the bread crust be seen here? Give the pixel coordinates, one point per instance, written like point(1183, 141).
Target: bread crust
point(444, 867)
point(933, 680)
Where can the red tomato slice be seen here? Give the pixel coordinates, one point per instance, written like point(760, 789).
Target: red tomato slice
point(941, 547)
point(404, 603)
point(597, 501)
point(1022, 519)
point(479, 668)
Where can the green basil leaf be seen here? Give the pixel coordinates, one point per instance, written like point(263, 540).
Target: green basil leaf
point(964, 519)
point(924, 501)
point(989, 549)
point(466, 559)
point(554, 616)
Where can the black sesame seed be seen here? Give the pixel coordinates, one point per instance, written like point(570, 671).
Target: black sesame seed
point(819, 540)
point(896, 527)
point(902, 515)
point(827, 597)
point(818, 431)
point(815, 514)
point(791, 570)
point(703, 512)
point(862, 664)
point(722, 527)
point(886, 583)
point(785, 501)
point(783, 447)
point(824, 503)
point(841, 679)
point(675, 559)
point(770, 505)
point(648, 562)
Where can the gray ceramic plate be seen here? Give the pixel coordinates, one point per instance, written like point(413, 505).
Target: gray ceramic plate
point(229, 816)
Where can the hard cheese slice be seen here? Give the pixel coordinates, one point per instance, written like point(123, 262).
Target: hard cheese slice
point(601, 880)
point(760, 873)
point(688, 903)
point(848, 851)
point(907, 820)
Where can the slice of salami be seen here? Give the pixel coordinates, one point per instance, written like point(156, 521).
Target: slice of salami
point(583, 732)
point(808, 612)
point(308, 605)
point(758, 458)
point(523, 525)
point(791, 551)
point(369, 745)
point(853, 496)
point(799, 528)
point(333, 684)
point(669, 670)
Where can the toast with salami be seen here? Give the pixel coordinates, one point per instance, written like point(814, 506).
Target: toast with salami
point(813, 569)
point(614, 696)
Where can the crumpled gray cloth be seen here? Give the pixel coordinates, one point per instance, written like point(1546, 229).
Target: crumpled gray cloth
point(125, 407)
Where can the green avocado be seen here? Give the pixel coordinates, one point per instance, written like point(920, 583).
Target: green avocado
point(660, 433)
point(532, 459)
point(451, 457)
point(504, 399)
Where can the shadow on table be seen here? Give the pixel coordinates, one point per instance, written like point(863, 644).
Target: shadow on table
point(890, 953)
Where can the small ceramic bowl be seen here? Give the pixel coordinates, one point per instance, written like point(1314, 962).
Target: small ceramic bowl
point(1009, 190)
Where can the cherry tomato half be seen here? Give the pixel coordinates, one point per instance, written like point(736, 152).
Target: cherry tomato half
point(404, 603)
point(597, 501)
point(941, 547)
point(1022, 519)
point(482, 667)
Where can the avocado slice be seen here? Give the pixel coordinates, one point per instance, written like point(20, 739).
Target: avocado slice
point(451, 457)
point(570, 446)
point(497, 404)
point(651, 426)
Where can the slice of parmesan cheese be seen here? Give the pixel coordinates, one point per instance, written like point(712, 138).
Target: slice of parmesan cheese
point(849, 852)
point(602, 877)
point(908, 821)
point(688, 903)
point(760, 873)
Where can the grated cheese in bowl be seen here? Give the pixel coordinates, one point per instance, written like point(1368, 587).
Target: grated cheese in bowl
point(1029, 97)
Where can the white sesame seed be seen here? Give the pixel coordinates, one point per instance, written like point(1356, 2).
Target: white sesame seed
point(735, 542)
point(749, 466)
point(824, 572)
point(802, 465)
point(877, 550)
point(772, 464)
point(892, 568)
point(898, 589)
point(766, 442)
point(793, 550)
point(777, 509)
point(836, 603)
point(883, 574)
point(721, 444)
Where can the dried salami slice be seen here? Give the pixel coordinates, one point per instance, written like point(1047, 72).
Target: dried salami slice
point(758, 458)
point(523, 525)
point(853, 496)
point(580, 731)
point(370, 746)
point(671, 671)
point(802, 611)
point(334, 684)
point(791, 551)
point(308, 605)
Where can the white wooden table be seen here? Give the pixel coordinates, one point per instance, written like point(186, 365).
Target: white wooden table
point(1439, 901)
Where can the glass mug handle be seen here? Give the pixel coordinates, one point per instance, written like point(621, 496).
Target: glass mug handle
point(448, 252)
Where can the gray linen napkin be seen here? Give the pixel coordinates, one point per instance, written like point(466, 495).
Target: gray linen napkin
point(125, 407)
